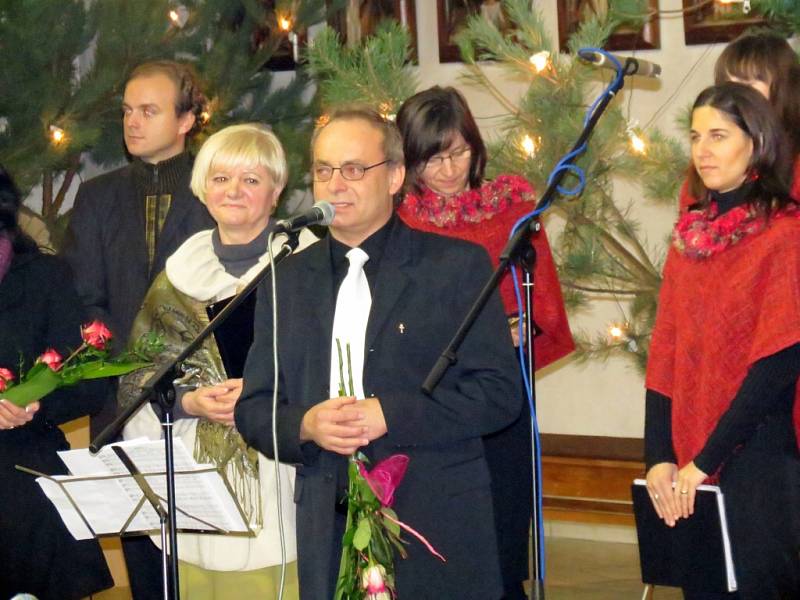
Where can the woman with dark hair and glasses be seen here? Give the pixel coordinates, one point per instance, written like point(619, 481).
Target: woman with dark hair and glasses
point(725, 353)
point(39, 309)
point(445, 193)
point(766, 62)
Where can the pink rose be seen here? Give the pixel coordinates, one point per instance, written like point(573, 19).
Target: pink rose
point(96, 334)
point(6, 377)
point(384, 478)
point(51, 358)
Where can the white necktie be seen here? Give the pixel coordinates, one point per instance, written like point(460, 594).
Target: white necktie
point(353, 303)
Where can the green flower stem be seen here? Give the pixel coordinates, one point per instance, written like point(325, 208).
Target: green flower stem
point(350, 372)
point(342, 391)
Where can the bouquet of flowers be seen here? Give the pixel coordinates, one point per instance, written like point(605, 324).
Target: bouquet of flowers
point(89, 361)
point(373, 531)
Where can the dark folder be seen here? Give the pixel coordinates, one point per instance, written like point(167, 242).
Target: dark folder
point(235, 336)
point(695, 554)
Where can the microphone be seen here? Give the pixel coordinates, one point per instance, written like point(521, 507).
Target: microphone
point(630, 65)
point(321, 213)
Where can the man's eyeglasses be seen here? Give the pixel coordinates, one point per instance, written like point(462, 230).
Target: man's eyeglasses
point(349, 171)
point(457, 156)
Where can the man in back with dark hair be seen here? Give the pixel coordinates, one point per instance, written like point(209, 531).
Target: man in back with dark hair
point(126, 223)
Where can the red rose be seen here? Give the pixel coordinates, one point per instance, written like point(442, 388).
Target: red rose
point(51, 358)
point(6, 376)
point(96, 334)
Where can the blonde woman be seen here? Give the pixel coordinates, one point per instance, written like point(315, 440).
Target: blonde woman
point(239, 174)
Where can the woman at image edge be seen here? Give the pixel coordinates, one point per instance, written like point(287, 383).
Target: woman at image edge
point(446, 194)
point(725, 353)
point(239, 174)
point(39, 309)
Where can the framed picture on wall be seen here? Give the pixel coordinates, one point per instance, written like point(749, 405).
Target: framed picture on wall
point(360, 18)
point(572, 12)
point(708, 22)
point(452, 16)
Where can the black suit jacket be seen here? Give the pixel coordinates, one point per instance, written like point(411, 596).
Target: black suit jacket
point(426, 283)
point(106, 248)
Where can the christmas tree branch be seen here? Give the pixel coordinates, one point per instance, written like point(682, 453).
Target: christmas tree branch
point(618, 249)
point(479, 77)
point(630, 235)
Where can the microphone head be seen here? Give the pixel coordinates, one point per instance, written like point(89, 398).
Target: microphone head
point(590, 56)
point(328, 212)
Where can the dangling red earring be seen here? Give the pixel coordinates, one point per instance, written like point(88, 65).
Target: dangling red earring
point(753, 176)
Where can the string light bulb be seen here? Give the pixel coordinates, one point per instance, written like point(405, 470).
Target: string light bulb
point(385, 108)
point(285, 23)
point(540, 60)
point(322, 120)
point(637, 143)
point(528, 146)
point(57, 135)
point(178, 16)
point(617, 331)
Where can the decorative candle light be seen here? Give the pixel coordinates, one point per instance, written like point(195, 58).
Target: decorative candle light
point(285, 23)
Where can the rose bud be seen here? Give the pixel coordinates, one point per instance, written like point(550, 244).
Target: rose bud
point(372, 579)
point(96, 334)
point(6, 376)
point(51, 358)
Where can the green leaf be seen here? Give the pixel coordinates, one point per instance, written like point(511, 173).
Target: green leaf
point(33, 388)
point(99, 369)
point(347, 538)
point(391, 526)
point(362, 535)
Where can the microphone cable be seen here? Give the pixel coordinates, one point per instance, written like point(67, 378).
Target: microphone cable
point(564, 164)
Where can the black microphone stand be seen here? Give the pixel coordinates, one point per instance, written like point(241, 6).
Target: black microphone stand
point(515, 251)
point(159, 388)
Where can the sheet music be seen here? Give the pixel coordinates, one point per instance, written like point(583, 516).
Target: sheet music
point(107, 502)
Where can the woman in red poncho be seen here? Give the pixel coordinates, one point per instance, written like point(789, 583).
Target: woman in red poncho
point(765, 61)
point(446, 194)
point(725, 353)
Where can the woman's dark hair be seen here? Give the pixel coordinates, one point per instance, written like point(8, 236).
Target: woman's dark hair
point(427, 122)
point(770, 166)
point(10, 202)
point(766, 56)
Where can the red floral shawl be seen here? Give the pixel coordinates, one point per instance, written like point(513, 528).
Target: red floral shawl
point(716, 317)
point(485, 216)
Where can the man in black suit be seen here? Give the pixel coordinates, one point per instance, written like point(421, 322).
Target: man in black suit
point(421, 285)
point(126, 223)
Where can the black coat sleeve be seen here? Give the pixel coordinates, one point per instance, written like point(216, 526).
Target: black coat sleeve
point(658, 430)
point(253, 413)
point(83, 250)
point(64, 315)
